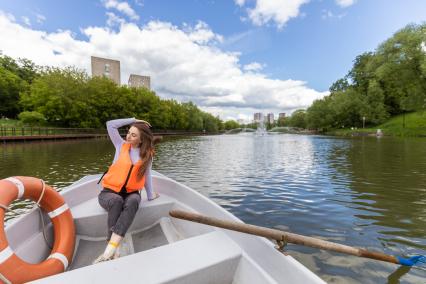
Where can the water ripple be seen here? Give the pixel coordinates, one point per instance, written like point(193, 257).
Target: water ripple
point(363, 192)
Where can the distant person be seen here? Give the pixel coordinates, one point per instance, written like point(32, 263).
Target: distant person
point(129, 173)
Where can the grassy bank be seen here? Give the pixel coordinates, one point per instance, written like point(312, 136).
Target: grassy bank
point(415, 126)
point(10, 123)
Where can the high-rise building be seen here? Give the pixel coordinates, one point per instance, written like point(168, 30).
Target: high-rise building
point(106, 67)
point(270, 118)
point(138, 81)
point(281, 115)
point(258, 117)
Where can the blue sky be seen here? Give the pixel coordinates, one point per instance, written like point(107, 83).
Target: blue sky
point(232, 58)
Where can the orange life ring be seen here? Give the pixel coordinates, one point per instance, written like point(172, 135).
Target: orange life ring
point(13, 268)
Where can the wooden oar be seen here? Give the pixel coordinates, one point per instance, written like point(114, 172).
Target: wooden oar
point(285, 237)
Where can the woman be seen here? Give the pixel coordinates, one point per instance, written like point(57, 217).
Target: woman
point(128, 174)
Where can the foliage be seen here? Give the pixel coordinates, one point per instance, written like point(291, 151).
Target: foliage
point(298, 119)
point(31, 117)
point(15, 77)
point(231, 124)
point(381, 84)
point(68, 97)
point(252, 125)
point(415, 125)
point(282, 121)
point(10, 86)
point(6, 122)
point(321, 115)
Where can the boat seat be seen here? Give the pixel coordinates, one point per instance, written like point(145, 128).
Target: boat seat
point(208, 258)
point(90, 218)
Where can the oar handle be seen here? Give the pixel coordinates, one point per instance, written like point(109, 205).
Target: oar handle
point(281, 235)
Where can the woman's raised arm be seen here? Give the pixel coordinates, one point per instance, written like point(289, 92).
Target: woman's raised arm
point(112, 127)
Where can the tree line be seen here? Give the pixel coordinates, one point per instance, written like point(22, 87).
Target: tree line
point(387, 82)
point(69, 97)
point(384, 83)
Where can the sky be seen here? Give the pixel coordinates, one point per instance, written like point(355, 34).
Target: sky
point(230, 57)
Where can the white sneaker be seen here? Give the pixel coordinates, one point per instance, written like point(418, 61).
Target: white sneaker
point(102, 258)
point(116, 253)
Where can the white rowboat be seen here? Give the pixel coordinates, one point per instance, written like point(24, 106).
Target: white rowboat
point(157, 248)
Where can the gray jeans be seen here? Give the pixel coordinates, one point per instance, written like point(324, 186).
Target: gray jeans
point(121, 207)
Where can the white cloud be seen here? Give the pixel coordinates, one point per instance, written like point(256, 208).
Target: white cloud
point(113, 19)
point(201, 33)
point(122, 7)
point(139, 3)
point(327, 14)
point(254, 66)
point(40, 18)
point(181, 65)
point(345, 3)
point(240, 2)
point(8, 16)
point(277, 11)
point(26, 20)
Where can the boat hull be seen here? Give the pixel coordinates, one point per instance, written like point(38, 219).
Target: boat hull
point(159, 248)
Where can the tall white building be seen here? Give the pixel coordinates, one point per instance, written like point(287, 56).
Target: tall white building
point(138, 81)
point(258, 117)
point(106, 67)
point(270, 118)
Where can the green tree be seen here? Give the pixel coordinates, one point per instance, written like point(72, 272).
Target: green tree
point(320, 115)
point(339, 86)
point(298, 119)
point(375, 111)
point(178, 116)
point(231, 124)
point(10, 87)
point(58, 94)
point(282, 121)
point(211, 123)
point(389, 81)
point(31, 117)
point(195, 119)
point(361, 72)
point(348, 108)
point(400, 73)
point(69, 97)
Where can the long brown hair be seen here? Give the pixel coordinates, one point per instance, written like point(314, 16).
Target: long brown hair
point(146, 146)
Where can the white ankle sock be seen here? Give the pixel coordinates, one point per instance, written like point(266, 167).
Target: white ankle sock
point(110, 249)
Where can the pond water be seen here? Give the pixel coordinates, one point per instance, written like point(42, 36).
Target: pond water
point(366, 192)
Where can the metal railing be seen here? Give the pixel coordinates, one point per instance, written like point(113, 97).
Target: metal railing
point(47, 131)
point(6, 131)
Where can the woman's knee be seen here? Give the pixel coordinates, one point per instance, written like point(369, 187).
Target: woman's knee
point(132, 202)
point(116, 201)
point(110, 200)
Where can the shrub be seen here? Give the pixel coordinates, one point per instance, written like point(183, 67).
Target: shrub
point(31, 117)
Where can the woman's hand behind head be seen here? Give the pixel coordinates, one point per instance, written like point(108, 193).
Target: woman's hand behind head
point(143, 121)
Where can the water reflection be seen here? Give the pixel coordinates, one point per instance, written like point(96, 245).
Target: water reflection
point(390, 180)
point(395, 277)
point(361, 192)
point(59, 163)
point(331, 188)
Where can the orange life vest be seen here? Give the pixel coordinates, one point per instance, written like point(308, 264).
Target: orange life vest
point(123, 173)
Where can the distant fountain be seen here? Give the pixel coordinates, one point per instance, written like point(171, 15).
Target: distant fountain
point(261, 128)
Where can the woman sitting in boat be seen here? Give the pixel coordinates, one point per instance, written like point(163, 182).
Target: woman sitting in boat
point(129, 173)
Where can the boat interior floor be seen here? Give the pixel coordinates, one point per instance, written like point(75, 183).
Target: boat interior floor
point(88, 248)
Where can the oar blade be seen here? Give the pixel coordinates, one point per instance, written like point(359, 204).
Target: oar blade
point(414, 260)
